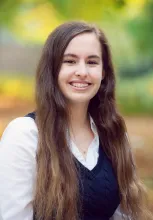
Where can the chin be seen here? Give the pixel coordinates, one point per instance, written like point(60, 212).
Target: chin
point(79, 100)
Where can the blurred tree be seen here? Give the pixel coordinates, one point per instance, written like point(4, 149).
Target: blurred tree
point(141, 29)
point(67, 8)
point(133, 8)
point(36, 19)
point(86, 9)
point(8, 9)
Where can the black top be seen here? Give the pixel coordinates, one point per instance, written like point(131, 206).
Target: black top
point(99, 191)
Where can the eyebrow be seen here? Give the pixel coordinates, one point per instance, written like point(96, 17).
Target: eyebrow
point(75, 56)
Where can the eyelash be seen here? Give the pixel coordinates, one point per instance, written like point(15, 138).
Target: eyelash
point(92, 62)
point(69, 61)
point(73, 62)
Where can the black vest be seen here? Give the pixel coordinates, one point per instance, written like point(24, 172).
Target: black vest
point(99, 191)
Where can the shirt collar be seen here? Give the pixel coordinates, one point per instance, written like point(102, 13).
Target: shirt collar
point(93, 126)
point(96, 136)
point(95, 132)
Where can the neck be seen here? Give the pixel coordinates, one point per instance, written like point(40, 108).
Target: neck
point(78, 117)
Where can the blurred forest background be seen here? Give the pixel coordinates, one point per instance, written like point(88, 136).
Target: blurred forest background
point(128, 24)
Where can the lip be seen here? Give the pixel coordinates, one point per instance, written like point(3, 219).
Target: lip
point(80, 88)
point(79, 81)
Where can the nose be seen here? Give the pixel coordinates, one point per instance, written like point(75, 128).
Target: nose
point(82, 70)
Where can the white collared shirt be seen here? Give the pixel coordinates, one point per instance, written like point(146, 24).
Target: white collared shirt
point(92, 153)
point(18, 149)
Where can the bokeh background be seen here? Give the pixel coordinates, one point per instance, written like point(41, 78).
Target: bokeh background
point(128, 24)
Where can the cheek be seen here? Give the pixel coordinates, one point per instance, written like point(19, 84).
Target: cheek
point(64, 74)
point(97, 75)
point(62, 77)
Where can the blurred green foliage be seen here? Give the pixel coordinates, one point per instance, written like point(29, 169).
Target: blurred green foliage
point(68, 9)
point(8, 9)
point(135, 97)
point(88, 10)
point(141, 29)
point(128, 25)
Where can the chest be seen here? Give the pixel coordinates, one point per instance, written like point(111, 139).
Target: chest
point(99, 189)
point(83, 140)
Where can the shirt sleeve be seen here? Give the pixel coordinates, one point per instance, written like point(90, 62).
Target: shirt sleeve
point(118, 215)
point(18, 169)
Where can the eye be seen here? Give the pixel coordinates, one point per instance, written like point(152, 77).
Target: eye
point(92, 62)
point(69, 61)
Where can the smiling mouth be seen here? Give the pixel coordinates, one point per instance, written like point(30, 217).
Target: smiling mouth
point(80, 85)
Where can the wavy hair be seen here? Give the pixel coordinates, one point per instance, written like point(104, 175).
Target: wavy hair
point(56, 193)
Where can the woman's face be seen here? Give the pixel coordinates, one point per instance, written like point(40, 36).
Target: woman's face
point(81, 71)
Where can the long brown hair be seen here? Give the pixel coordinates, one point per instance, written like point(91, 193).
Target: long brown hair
point(56, 193)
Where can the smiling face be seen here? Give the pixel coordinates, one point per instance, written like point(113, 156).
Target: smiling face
point(81, 71)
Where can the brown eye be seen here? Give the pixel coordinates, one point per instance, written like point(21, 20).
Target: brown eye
point(91, 62)
point(69, 61)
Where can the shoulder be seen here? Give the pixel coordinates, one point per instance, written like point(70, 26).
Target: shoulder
point(24, 125)
point(20, 133)
point(18, 148)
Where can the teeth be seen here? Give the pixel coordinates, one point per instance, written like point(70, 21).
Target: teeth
point(79, 85)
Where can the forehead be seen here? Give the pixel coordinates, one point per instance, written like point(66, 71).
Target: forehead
point(84, 44)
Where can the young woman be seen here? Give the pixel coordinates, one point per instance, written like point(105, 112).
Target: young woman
point(71, 159)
